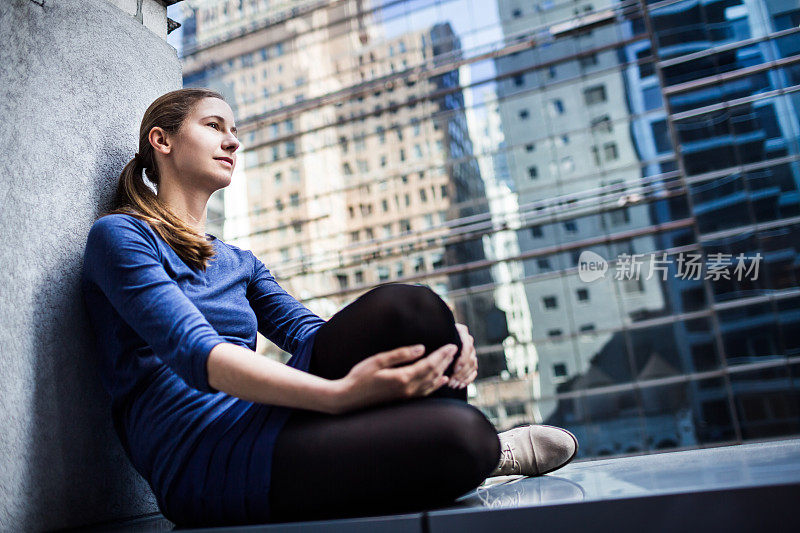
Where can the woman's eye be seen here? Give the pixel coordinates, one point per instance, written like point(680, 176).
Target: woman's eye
point(214, 124)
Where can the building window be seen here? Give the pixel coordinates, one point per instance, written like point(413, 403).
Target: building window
point(550, 302)
point(567, 164)
point(524, 114)
point(543, 263)
point(583, 295)
point(342, 279)
point(559, 370)
point(405, 224)
point(595, 95)
point(588, 61)
point(354, 236)
point(602, 124)
point(587, 328)
point(516, 13)
point(419, 264)
point(359, 277)
point(554, 332)
point(383, 273)
point(610, 151)
point(633, 285)
point(533, 173)
point(570, 226)
point(530, 147)
point(519, 80)
point(278, 204)
point(536, 232)
point(557, 106)
point(423, 196)
point(384, 205)
point(278, 178)
point(620, 216)
point(515, 409)
point(387, 230)
point(596, 155)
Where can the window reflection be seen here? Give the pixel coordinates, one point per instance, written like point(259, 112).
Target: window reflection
point(482, 147)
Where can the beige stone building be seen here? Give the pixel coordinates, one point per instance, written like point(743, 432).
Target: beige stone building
point(348, 141)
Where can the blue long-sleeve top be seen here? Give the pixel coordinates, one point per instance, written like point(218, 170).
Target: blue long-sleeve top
point(155, 321)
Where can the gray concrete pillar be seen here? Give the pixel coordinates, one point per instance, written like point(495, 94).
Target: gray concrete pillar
point(75, 79)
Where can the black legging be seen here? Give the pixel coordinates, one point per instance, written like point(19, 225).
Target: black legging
point(398, 457)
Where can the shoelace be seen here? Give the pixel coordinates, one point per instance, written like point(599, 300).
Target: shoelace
point(507, 457)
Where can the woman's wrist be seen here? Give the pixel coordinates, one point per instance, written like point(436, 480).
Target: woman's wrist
point(336, 396)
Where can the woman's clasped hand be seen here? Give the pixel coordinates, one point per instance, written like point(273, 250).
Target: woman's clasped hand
point(379, 379)
point(466, 369)
point(391, 375)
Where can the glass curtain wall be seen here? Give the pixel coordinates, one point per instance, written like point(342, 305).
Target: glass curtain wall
point(606, 192)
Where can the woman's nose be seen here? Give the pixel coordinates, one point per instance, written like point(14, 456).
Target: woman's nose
point(231, 143)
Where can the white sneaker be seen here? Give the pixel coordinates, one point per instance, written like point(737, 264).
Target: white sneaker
point(534, 450)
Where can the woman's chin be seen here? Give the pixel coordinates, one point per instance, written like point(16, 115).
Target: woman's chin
point(221, 183)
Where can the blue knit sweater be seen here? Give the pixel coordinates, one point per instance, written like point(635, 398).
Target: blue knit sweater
point(155, 321)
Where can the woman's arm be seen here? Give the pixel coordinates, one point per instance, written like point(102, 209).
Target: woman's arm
point(241, 373)
point(122, 259)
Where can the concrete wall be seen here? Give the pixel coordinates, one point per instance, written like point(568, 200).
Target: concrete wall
point(75, 79)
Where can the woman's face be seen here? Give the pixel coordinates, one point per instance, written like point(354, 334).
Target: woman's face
point(204, 151)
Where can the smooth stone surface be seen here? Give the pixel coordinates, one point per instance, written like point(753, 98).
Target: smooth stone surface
point(746, 465)
point(733, 488)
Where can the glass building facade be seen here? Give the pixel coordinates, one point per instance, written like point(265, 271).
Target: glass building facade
point(606, 192)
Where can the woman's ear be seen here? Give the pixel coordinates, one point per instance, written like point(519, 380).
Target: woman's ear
point(160, 140)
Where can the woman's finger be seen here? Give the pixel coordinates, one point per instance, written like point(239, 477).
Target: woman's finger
point(434, 364)
point(469, 379)
point(437, 383)
point(399, 355)
point(467, 362)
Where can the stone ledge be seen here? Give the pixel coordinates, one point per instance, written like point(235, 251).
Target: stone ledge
point(745, 487)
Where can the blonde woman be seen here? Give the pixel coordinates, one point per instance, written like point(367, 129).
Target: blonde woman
point(368, 416)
